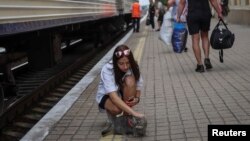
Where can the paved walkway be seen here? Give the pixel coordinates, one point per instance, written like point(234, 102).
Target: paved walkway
point(178, 102)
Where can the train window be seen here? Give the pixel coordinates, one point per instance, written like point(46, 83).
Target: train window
point(2, 50)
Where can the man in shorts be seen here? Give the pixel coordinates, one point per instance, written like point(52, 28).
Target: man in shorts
point(198, 21)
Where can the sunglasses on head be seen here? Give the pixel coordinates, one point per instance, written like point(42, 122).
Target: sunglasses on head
point(118, 54)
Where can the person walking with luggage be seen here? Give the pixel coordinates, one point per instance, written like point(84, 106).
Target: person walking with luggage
point(198, 21)
point(136, 15)
point(152, 14)
point(120, 85)
point(174, 4)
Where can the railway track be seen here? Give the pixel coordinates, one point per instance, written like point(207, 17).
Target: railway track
point(39, 91)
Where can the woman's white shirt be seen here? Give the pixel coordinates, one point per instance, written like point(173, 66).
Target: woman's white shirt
point(107, 83)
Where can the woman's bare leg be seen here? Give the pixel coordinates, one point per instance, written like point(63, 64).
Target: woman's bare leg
point(129, 88)
point(111, 107)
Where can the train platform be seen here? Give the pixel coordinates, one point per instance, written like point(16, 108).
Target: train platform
point(178, 102)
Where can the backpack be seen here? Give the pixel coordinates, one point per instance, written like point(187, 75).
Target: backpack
point(128, 124)
point(224, 2)
point(224, 7)
point(221, 38)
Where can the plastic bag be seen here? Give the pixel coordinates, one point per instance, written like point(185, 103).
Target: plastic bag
point(179, 37)
point(166, 28)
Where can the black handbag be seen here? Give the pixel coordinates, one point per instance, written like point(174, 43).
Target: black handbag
point(221, 38)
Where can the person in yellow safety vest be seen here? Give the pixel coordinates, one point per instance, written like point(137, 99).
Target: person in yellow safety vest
point(136, 15)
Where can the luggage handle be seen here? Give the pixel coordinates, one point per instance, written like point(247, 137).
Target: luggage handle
point(218, 24)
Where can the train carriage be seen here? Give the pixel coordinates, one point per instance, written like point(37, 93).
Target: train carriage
point(40, 27)
point(28, 15)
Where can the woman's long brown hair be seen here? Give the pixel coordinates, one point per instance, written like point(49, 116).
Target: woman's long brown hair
point(133, 65)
